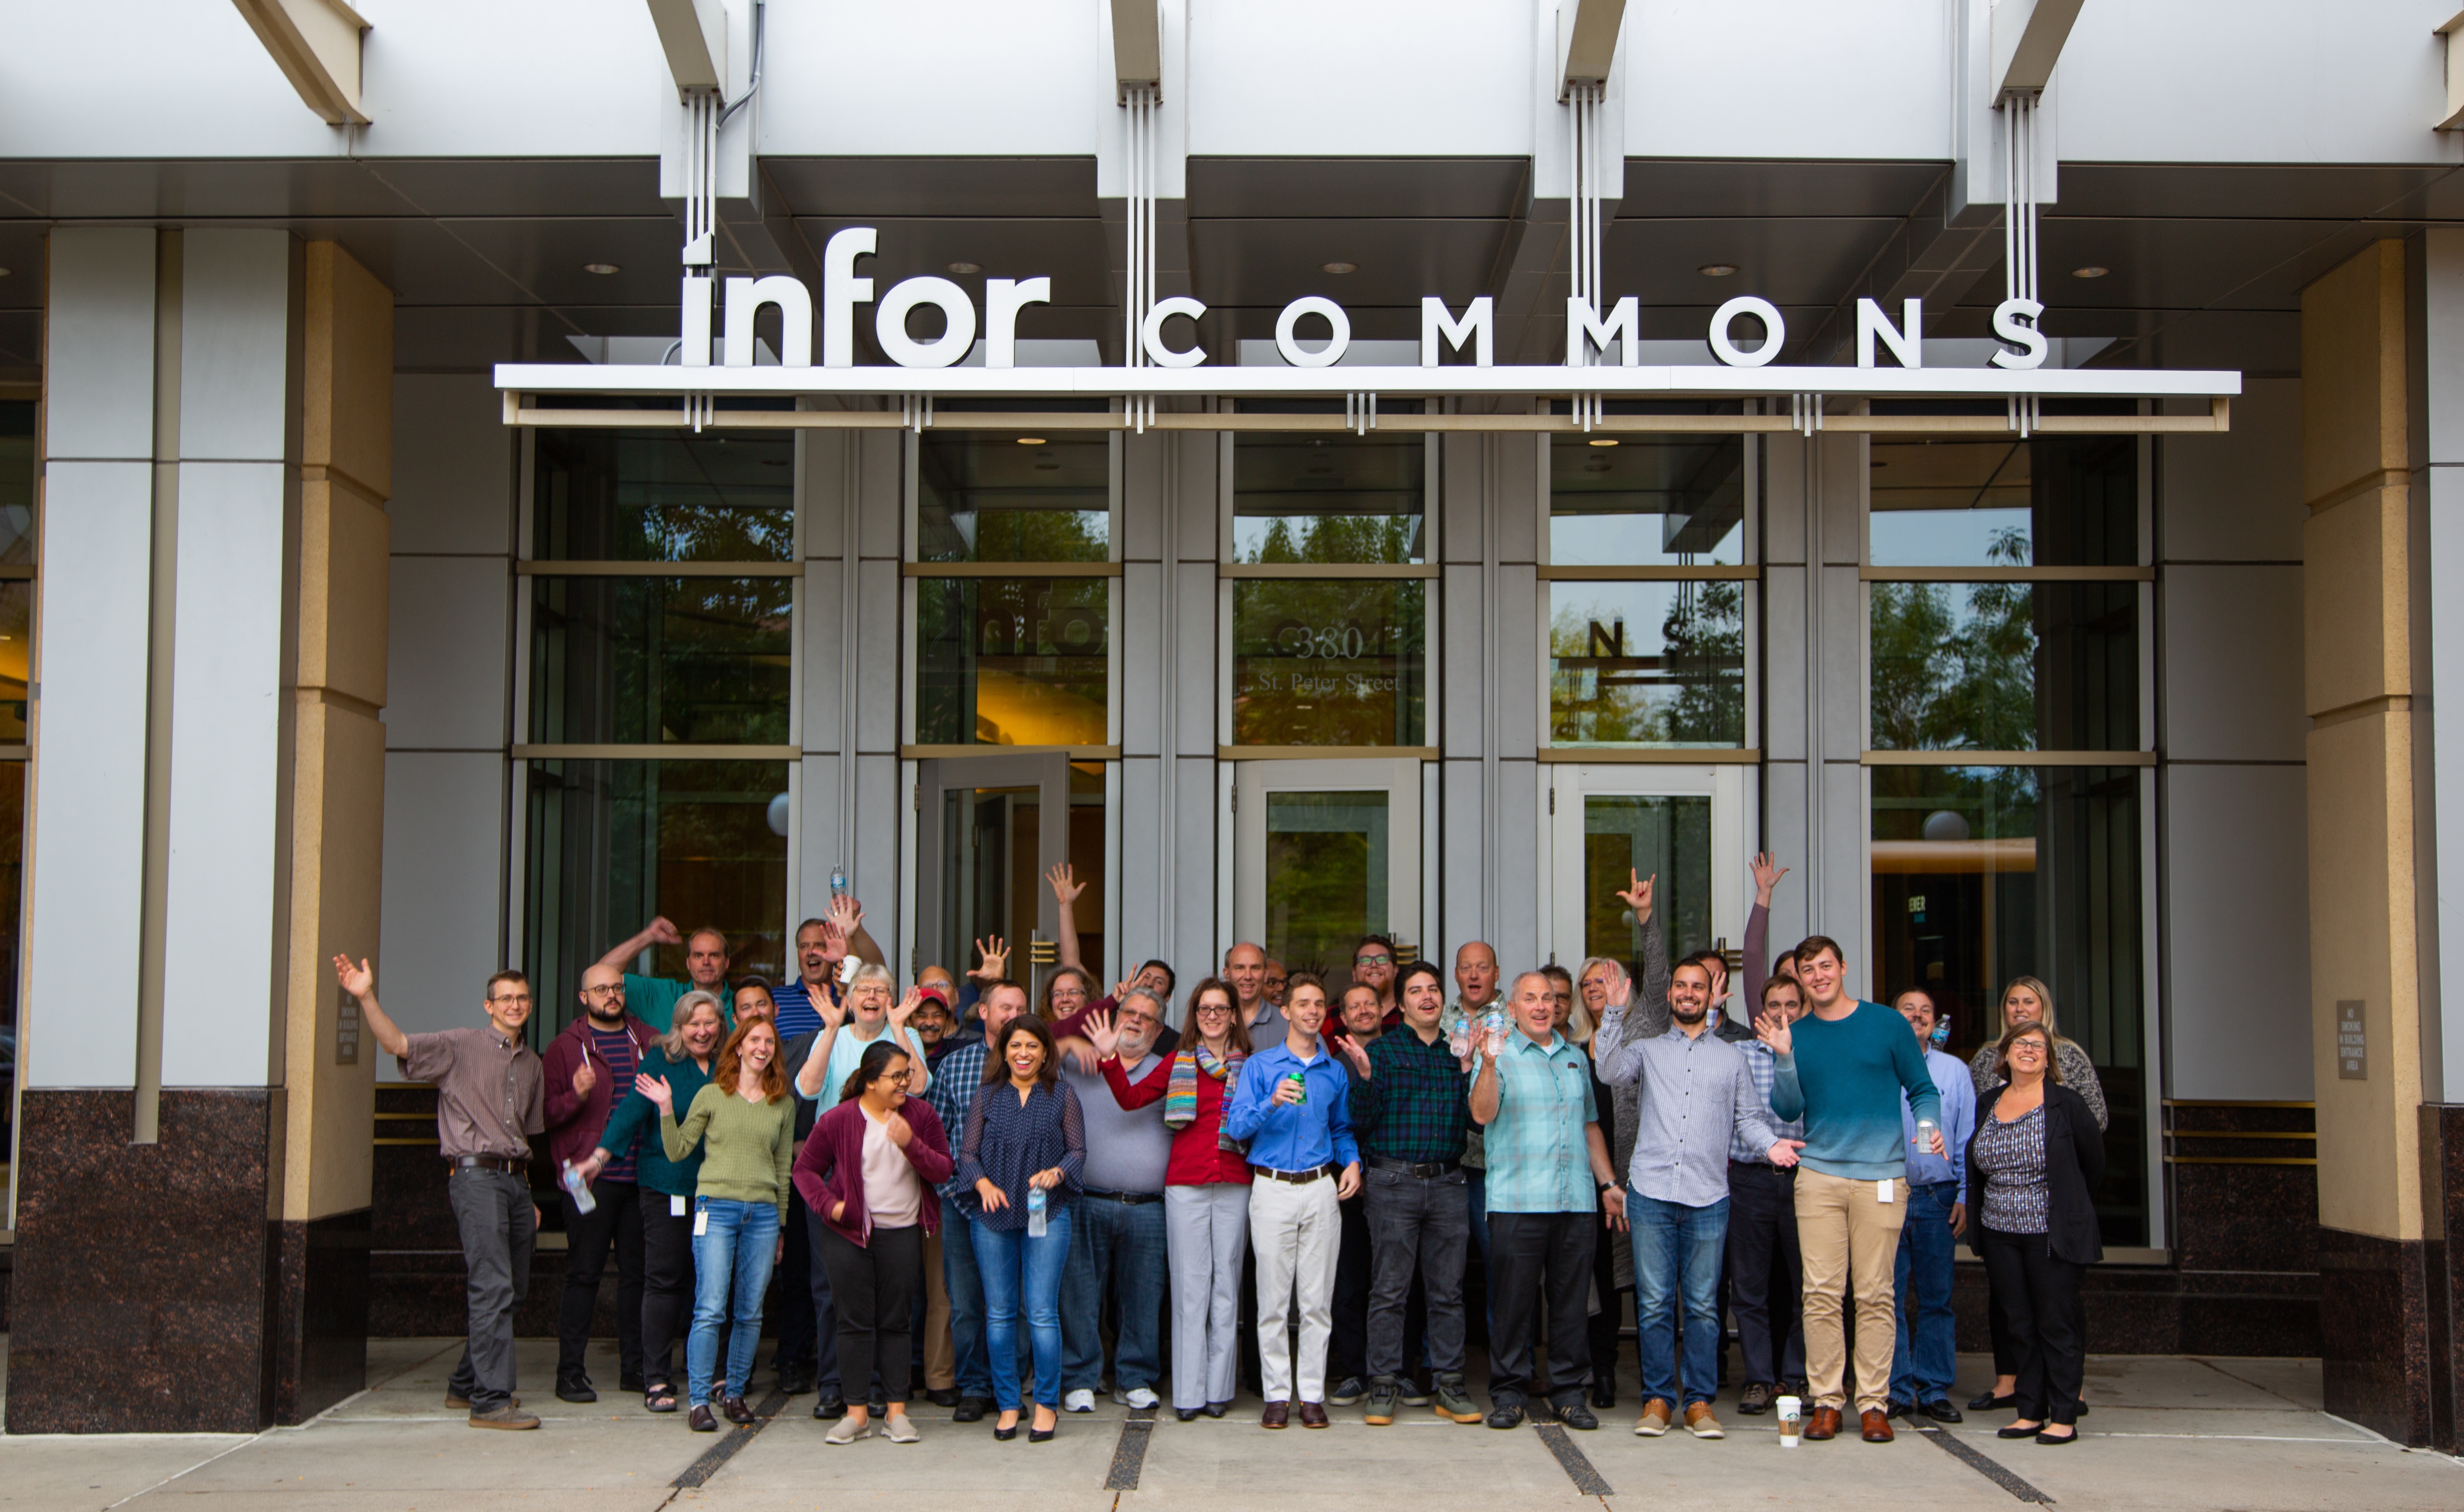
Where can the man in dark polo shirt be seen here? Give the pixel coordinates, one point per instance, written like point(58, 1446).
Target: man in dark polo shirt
point(489, 1100)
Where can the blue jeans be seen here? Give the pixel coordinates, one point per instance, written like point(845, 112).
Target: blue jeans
point(966, 1289)
point(1923, 1365)
point(1023, 1275)
point(733, 1253)
point(1122, 1243)
point(1677, 1254)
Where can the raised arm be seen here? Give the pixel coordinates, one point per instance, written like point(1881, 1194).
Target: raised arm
point(621, 955)
point(1767, 872)
point(817, 1060)
point(1066, 888)
point(1650, 1019)
point(681, 1139)
point(1619, 1058)
point(362, 984)
point(1788, 1097)
point(1133, 1096)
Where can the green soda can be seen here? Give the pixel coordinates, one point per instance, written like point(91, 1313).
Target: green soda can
point(1300, 1087)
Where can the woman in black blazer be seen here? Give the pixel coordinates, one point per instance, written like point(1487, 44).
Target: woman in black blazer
point(2032, 1165)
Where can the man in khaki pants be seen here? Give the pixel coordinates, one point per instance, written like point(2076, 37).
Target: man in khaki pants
point(1852, 1188)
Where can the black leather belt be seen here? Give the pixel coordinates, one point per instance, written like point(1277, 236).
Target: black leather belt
point(1297, 1178)
point(1134, 1199)
point(1427, 1171)
point(511, 1165)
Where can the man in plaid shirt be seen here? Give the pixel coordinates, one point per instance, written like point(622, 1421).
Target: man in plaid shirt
point(1410, 1115)
point(1762, 1261)
point(955, 1079)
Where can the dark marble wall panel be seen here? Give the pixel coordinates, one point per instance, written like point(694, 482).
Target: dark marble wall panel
point(2442, 1153)
point(2158, 1310)
point(140, 1274)
point(2233, 1208)
point(318, 1327)
point(2374, 1330)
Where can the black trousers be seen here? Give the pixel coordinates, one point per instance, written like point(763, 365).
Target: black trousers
point(615, 1223)
point(798, 1341)
point(667, 1284)
point(1347, 1349)
point(2036, 1299)
point(1610, 1319)
point(873, 1289)
point(1765, 1272)
point(1540, 1265)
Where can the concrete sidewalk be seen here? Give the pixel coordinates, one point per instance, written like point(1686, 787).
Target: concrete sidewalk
point(2168, 1432)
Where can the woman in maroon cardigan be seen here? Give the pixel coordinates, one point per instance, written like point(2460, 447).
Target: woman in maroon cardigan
point(870, 1169)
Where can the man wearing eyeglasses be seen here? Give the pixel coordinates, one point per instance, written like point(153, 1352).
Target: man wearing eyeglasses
point(1373, 964)
point(489, 1103)
point(1116, 1234)
point(589, 1069)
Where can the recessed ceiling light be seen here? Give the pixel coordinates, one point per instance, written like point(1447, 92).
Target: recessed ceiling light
point(2091, 270)
point(1338, 267)
point(1602, 440)
point(963, 268)
point(1716, 270)
point(1030, 440)
point(603, 269)
point(4, 273)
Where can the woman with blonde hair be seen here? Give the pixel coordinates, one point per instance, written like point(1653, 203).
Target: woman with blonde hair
point(745, 1124)
point(2028, 1000)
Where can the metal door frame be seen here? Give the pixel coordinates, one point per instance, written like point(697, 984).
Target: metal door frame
point(1049, 772)
point(1730, 787)
point(1397, 777)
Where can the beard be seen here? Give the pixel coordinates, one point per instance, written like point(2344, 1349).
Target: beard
point(1699, 1013)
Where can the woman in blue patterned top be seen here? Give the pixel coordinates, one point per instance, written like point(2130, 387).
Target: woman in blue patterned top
point(1026, 1135)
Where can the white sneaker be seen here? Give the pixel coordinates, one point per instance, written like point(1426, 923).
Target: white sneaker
point(847, 1431)
point(898, 1429)
point(1137, 1398)
point(1078, 1402)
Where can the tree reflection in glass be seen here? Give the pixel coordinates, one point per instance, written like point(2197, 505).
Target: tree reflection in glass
point(1653, 664)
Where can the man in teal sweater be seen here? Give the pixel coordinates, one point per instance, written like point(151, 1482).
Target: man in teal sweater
point(1852, 1188)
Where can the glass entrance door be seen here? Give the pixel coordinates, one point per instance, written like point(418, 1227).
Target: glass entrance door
point(1683, 824)
point(989, 827)
point(1324, 853)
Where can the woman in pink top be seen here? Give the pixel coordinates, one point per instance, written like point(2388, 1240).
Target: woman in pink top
point(870, 1169)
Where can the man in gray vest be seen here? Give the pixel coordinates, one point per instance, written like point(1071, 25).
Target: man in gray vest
point(1117, 1229)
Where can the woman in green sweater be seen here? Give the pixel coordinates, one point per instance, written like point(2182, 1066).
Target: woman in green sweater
point(682, 1059)
point(745, 1124)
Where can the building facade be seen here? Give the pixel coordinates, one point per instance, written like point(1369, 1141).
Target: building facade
point(457, 503)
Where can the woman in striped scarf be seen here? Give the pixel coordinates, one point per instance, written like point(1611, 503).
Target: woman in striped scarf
point(1206, 1195)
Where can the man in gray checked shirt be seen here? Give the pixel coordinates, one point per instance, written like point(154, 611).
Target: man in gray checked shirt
point(1696, 1094)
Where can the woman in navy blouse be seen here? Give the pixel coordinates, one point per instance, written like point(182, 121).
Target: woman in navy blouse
point(1024, 1135)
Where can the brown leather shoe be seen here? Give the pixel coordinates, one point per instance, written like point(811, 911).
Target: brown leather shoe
point(1312, 1414)
point(1823, 1422)
point(736, 1410)
point(1876, 1425)
point(1278, 1415)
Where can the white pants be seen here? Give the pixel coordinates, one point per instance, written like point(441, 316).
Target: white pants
point(1298, 1234)
point(1206, 1229)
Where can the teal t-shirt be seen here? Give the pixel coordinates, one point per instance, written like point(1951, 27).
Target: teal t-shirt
point(653, 999)
point(1844, 1077)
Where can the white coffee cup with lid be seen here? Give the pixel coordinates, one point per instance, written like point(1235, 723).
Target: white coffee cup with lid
point(1792, 1416)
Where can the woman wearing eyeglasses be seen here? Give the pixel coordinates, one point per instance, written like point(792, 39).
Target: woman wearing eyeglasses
point(2033, 1166)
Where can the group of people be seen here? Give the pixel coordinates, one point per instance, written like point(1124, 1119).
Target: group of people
point(987, 1188)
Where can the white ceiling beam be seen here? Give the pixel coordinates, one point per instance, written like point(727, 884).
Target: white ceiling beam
point(2454, 117)
point(1137, 46)
point(1587, 39)
point(694, 35)
point(316, 43)
point(2028, 37)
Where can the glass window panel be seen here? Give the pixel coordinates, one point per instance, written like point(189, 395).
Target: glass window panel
point(649, 660)
point(614, 844)
point(1658, 664)
point(12, 879)
point(1658, 835)
point(2005, 666)
point(2047, 501)
point(1035, 497)
point(17, 482)
point(1648, 500)
point(17, 647)
point(1983, 874)
point(664, 496)
point(1329, 497)
point(1318, 662)
point(1327, 859)
point(1013, 661)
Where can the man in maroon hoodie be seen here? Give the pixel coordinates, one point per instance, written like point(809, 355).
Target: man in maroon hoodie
point(589, 1069)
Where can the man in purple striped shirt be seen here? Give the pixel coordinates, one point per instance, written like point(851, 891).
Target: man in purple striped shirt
point(589, 1069)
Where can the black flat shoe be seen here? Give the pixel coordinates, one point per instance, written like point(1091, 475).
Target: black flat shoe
point(2016, 1433)
point(1603, 1395)
point(947, 1397)
point(831, 1406)
point(1941, 1411)
point(1216, 1409)
point(2071, 1437)
point(1987, 1402)
point(970, 1410)
point(1187, 1415)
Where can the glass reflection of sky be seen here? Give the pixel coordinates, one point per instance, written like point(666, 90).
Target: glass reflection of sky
point(1945, 537)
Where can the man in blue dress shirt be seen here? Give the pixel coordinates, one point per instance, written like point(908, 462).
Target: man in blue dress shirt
point(1922, 1364)
point(1294, 1107)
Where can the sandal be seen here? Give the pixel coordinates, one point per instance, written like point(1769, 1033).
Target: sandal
point(661, 1398)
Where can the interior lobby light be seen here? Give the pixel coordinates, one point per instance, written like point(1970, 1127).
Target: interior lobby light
point(962, 269)
point(603, 269)
point(1338, 267)
point(2091, 270)
point(1030, 440)
point(1716, 270)
point(1602, 440)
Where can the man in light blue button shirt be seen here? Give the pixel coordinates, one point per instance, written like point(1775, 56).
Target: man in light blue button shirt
point(1923, 1361)
point(1698, 1096)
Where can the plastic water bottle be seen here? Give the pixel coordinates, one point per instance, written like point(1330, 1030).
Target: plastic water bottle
point(1037, 1205)
point(1492, 1028)
point(1925, 1131)
point(839, 880)
point(580, 1190)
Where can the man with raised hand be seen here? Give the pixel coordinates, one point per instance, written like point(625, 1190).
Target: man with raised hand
point(1116, 1230)
point(1410, 1114)
point(1475, 993)
point(1549, 1178)
point(491, 1096)
point(653, 998)
point(1696, 1096)
point(1764, 1269)
point(1294, 1107)
point(1844, 1069)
